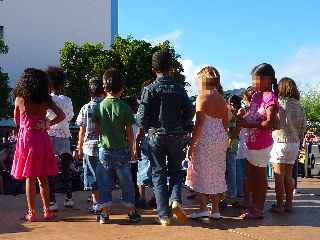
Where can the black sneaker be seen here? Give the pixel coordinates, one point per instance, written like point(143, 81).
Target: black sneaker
point(134, 217)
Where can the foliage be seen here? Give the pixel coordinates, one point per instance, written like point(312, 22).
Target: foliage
point(3, 47)
point(4, 85)
point(311, 103)
point(131, 56)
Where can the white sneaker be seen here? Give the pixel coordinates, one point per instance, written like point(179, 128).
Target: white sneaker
point(53, 206)
point(68, 202)
point(164, 221)
point(215, 216)
point(178, 212)
point(201, 214)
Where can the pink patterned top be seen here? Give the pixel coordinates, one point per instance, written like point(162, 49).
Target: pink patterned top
point(260, 138)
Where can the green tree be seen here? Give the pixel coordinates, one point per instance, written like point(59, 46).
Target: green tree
point(131, 56)
point(4, 85)
point(311, 104)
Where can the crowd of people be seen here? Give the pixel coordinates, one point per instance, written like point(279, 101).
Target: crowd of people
point(139, 144)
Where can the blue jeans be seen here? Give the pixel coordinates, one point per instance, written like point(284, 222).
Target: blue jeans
point(89, 172)
point(144, 176)
point(231, 174)
point(112, 164)
point(241, 169)
point(166, 158)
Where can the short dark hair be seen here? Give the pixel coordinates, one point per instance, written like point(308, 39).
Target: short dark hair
point(235, 100)
point(95, 87)
point(112, 80)
point(288, 89)
point(162, 60)
point(56, 77)
point(33, 86)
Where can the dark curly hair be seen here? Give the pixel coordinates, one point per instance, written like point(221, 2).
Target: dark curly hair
point(33, 86)
point(56, 77)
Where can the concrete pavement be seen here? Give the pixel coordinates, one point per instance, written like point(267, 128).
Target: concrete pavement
point(303, 223)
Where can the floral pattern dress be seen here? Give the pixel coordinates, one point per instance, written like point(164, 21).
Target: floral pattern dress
point(206, 170)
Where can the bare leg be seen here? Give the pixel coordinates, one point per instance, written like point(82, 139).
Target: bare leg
point(44, 191)
point(31, 193)
point(289, 185)
point(203, 201)
point(215, 199)
point(279, 174)
point(142, 192)
point(249, 184)
point(95, 196)
point(260, 188)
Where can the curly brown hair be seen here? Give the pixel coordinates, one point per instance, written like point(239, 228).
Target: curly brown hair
point(288, 89)
point(33, 86)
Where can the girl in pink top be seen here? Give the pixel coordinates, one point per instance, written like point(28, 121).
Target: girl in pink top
point(259, 121)
point(33, 158)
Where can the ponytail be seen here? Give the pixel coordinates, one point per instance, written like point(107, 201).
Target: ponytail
point(275, 86)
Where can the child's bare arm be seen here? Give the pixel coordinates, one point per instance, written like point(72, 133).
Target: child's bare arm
point(82, 132)
point(16, 112)
point(60, 116)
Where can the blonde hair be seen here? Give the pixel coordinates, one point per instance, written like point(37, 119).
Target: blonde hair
point(210, 77)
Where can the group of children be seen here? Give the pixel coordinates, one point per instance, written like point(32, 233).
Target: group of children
point(231, 145)
point(267, 124)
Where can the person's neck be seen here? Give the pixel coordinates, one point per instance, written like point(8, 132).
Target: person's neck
point(57, 92)
point(164, 74)
point(113, 95)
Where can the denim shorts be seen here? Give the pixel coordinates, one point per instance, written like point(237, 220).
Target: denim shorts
point(144, 175)
point(61, 145)
point(89, 172)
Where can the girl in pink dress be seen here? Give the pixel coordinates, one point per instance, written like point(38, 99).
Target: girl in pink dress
point(259, 122)
point(207, 153)
point(34, 158)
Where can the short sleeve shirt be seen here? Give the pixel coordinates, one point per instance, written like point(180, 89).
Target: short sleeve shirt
point(113, 115)
point(260, 138)
point(84, 119)
point(61, 129)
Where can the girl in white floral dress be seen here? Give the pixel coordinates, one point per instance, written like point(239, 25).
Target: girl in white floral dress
point(207, 153)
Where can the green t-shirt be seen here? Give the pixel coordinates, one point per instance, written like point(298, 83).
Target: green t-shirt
point(113, 115)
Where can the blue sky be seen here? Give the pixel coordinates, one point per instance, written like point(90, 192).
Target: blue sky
point(233, 35)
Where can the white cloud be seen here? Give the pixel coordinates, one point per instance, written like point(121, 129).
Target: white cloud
point(303, 67)
point(190, 72)
point(174, 38)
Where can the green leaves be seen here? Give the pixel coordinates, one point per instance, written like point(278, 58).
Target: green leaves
point(3, 47)
point(131, 56)
point(311, 104)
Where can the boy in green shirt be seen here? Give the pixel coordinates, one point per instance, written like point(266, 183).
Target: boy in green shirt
point(114, 119)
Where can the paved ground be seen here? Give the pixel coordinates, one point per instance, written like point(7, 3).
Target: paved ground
point(304, 223)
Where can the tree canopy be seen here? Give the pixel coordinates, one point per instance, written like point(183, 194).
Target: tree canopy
point(311, 104)
point(5, 110)
point(131, 56)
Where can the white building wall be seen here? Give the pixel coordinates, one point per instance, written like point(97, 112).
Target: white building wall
point(35, 30)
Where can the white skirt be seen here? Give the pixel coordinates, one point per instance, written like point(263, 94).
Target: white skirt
point(286, 153)
point(259, 158)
